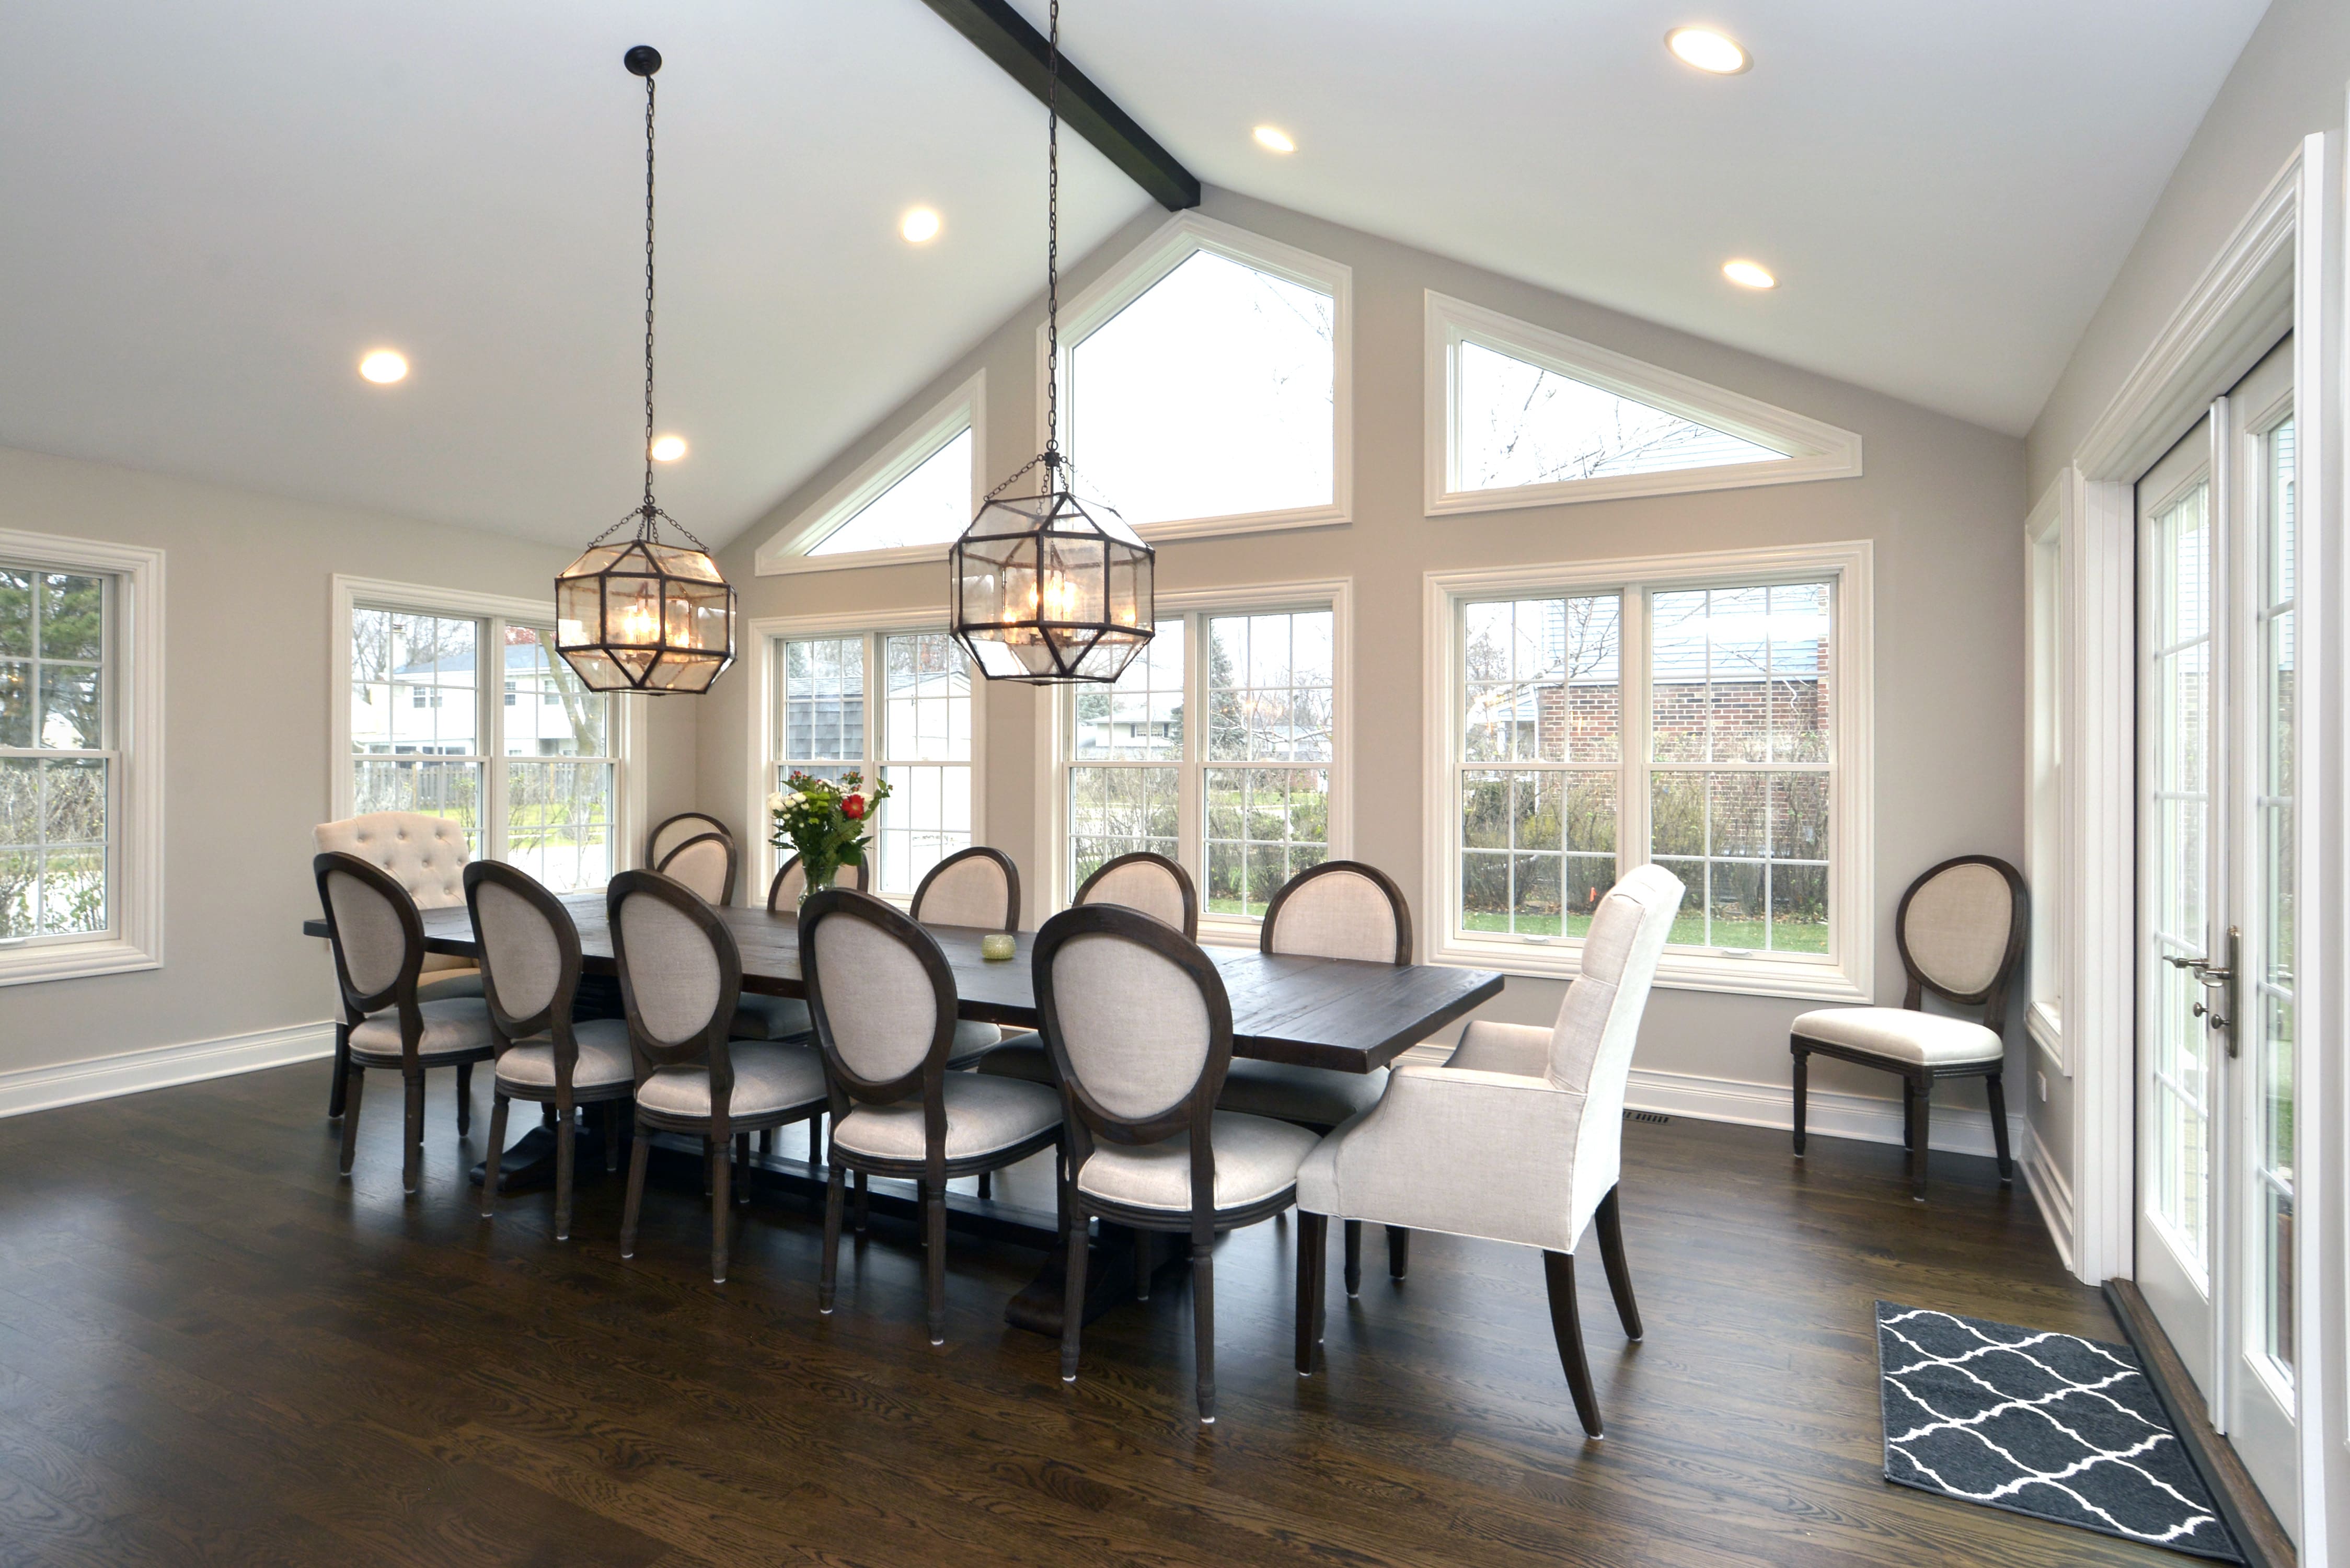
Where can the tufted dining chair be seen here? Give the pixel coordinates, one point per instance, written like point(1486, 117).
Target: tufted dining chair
point(884, 1002)
point(377, 938)
point(1140, 1032)
point(530, 977)
point(1519, 1136)
point(1961, 930)
point(426, 856)
point(705, 863)
point(1340, 909)
point(978, 887)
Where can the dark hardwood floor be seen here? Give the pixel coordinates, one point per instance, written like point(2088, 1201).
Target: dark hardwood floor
point(213, 1352)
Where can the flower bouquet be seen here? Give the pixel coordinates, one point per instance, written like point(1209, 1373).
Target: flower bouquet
point(825, 821)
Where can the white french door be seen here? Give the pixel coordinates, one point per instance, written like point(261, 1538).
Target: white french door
point(2217, 820)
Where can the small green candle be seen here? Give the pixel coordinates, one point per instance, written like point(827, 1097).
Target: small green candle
point(997, 946)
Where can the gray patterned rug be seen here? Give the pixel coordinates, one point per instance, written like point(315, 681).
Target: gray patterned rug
point(2047, 1424)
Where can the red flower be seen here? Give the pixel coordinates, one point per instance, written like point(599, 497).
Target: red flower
point(852, 806)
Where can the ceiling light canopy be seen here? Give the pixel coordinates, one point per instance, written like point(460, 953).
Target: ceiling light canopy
point(383, 366)
point(920, 226)
point(1749, 275)
point(668, 448)
point(1718, 54)
point(1275, 140)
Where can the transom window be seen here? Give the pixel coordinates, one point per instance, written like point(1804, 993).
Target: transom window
point(920, 682)
point(909, 501)
point(1699, 724)
point(57, 761)
point(1243, 802)
point(930, 505)
point(474, 718)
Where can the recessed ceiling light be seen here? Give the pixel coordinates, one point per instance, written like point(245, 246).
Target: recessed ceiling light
point(1748, 275)
point(667, 448)
point(1273, 139)
point(920, 226)
point(1708, 50)
point(383, 366)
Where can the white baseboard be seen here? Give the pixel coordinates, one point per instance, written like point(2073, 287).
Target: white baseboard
point(1827, 1113)
point(160, 1066)
point(2051, 1191)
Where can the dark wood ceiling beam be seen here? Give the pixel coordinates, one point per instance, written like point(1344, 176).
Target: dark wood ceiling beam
point(1005, 37)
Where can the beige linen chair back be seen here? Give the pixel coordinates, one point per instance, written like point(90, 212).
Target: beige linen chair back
point(425, 855)
point(1129, 1016)
point(1150, 883)
point(976, 886)
point(681, 974)
point(880, 991)
point(704, 863)
point(783, 891)
point(1961, 930)
point(672, 831)
point(1341, 909)
point(377, 938)
point(530, 949)
point(1599, 1021)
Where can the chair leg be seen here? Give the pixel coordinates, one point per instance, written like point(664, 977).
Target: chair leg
point(611, 1136)
point(1312, 1244)
point(830, 1270)
point(742, 1159)
point(1909, 1117)
point(338, 1089)
point(357, 1083)
point(816, 1139)
point(411, 1158)
point(1203, 1327)
point(465, 1098)
point(1354, 1233)
point(722, 1173)
point(862, 1216)
point(498, 1104)
point(1072, 1292)
point(1142, 1251)
point(1803, 1093)
point(987, 1184)
point(1997, 1095)
point(640, 1149)
point(1566, 1327)
point(565, 1162)
point(1611, 1257)
point(1919, 1092)
point(934, 1265)
point(767, 1142)
point(708, 1167)
point(1399, 1251)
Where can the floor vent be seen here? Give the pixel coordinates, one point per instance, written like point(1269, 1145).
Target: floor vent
point(1652, 1117)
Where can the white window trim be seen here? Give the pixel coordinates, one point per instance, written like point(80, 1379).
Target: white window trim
point(629, 708)
point(965, 408)
point(1849, 971)
point(760, 858)
point(2047, 701)
point(1814, 450)
point(1176, 242)
point(1054, 714)
point(135, 663)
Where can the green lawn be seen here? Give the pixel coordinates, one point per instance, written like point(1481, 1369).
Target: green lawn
point(1689, 930)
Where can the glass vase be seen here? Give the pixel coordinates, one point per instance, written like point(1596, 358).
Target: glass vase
point(815, 879)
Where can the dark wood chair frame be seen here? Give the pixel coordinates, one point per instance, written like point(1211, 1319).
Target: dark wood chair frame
point(775, 883)
point(724, 840)
point(1146, 857)
point(399, 995)
point(1086, 1120)
point(666, 823)
point(976, 852)
point(553, 1021)
point(1398, 1238)
point(1917, 1082)
point(709, 1046)
point(847, 1089)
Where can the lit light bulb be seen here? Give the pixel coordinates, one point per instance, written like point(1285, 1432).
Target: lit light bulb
point(1717, 54)
point(1273, 139)
point(383, 366)
point(920, 226)
point(639, 621)
point(667, 448)
point(1748, 275)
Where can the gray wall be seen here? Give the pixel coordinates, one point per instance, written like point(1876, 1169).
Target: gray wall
point(1941, 499)
point(246, 616)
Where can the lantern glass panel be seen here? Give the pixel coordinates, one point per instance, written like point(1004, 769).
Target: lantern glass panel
point(633, 616)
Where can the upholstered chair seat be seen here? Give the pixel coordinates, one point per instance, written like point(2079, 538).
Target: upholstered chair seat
point(768, 1018)
point(768, 1077)
point(1256, 1158)
point(603, 1058)
point(1313, 1096)
point(451, 1028)
point(457, 982)
point(984, 1116)
point(1925, 1038)
point(1021, 1057)
point(1518, 1136)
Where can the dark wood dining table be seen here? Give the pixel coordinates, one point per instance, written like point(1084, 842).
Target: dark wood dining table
point(1337, 1013)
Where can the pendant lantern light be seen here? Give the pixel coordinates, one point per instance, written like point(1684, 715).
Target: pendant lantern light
point(645, 615)
point(1048, 589)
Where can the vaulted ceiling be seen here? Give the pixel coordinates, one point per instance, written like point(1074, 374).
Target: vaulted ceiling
point(211, 211)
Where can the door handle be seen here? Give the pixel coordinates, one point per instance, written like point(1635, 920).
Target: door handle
point(2222, 980)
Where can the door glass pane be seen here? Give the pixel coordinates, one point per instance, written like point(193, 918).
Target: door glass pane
point(2270, 1015)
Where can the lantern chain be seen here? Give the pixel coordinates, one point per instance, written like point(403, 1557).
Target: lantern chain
point(1053, 241)
point(649, 511)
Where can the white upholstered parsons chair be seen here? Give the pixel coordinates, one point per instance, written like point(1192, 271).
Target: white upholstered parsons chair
point(884, 1000)
point(426, 856)
point(377, 938)
point(1519, 1136)
point(1961, 930)
point(979, 887)
point(681, 974)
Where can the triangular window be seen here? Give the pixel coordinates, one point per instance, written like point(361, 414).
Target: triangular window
point(909, 501)
point(1523, 424)
point(929, 506)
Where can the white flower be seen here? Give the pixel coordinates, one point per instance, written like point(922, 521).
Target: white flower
point(776, 803)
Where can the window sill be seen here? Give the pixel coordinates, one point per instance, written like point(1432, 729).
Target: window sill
point(1330, 514)
point(1797, 980)
point(850, 560)
point(72, 960)
point(2045, 1026)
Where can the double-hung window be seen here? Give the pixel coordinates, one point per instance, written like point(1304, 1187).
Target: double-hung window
point(460, 707)
point(80, 754)
point(1706, 714)
point(1221, 747)
point(896, 703)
